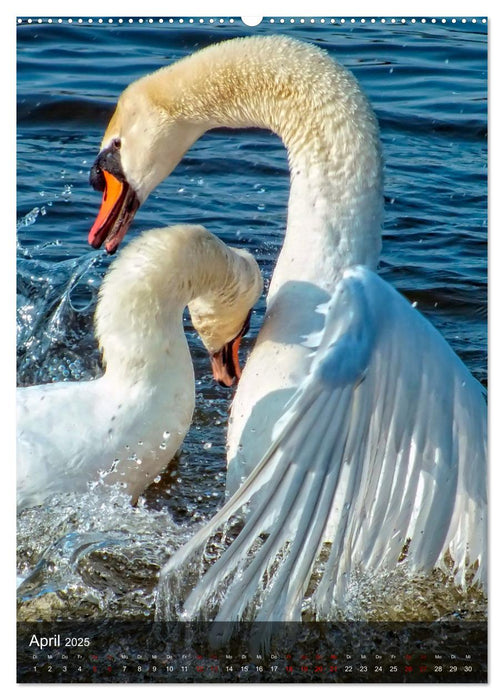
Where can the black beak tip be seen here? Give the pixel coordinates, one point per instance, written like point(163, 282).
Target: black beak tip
point(225, 384)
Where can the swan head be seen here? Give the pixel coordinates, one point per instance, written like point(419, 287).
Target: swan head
point(223, 318)
point(144, 141)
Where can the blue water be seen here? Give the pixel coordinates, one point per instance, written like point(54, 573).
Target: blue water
point(428, 86)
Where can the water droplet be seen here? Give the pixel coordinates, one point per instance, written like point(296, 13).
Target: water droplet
point(67, 192)
point(162, 446)
point(207, 445)
point(166, 434)
point(29, 219)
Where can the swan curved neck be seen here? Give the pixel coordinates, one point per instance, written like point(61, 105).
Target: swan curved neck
point(139, 315)
point(327, 126)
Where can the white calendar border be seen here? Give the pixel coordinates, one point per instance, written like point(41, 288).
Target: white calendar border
point(271, 9)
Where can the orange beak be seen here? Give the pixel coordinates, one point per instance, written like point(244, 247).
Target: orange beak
point(225, 363)
point(119, 204)
point(111, 195)
point(226, 368)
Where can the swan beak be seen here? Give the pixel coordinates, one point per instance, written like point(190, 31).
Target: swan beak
point(226, 368)
point(225, 363)
point(118, 207)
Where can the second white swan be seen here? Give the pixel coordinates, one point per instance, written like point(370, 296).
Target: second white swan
point(126, 426)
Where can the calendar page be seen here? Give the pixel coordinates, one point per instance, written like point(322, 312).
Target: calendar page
point(251, 349)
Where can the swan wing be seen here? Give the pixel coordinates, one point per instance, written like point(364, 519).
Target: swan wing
point(382, 447)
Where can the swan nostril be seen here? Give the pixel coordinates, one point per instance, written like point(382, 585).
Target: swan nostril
point(109, 160)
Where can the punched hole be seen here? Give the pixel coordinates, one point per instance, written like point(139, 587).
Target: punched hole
point(251, 21)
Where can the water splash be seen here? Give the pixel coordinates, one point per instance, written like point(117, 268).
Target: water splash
point(28, 219)
point(377, 596)
point(55, 339)
point(91, 554)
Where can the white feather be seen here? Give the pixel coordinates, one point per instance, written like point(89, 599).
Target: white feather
point(384, 443)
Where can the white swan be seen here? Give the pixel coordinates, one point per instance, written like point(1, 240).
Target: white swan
point(127, 425)
point(354, 422)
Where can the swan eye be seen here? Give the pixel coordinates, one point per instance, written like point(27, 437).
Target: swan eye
point(116, 143)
